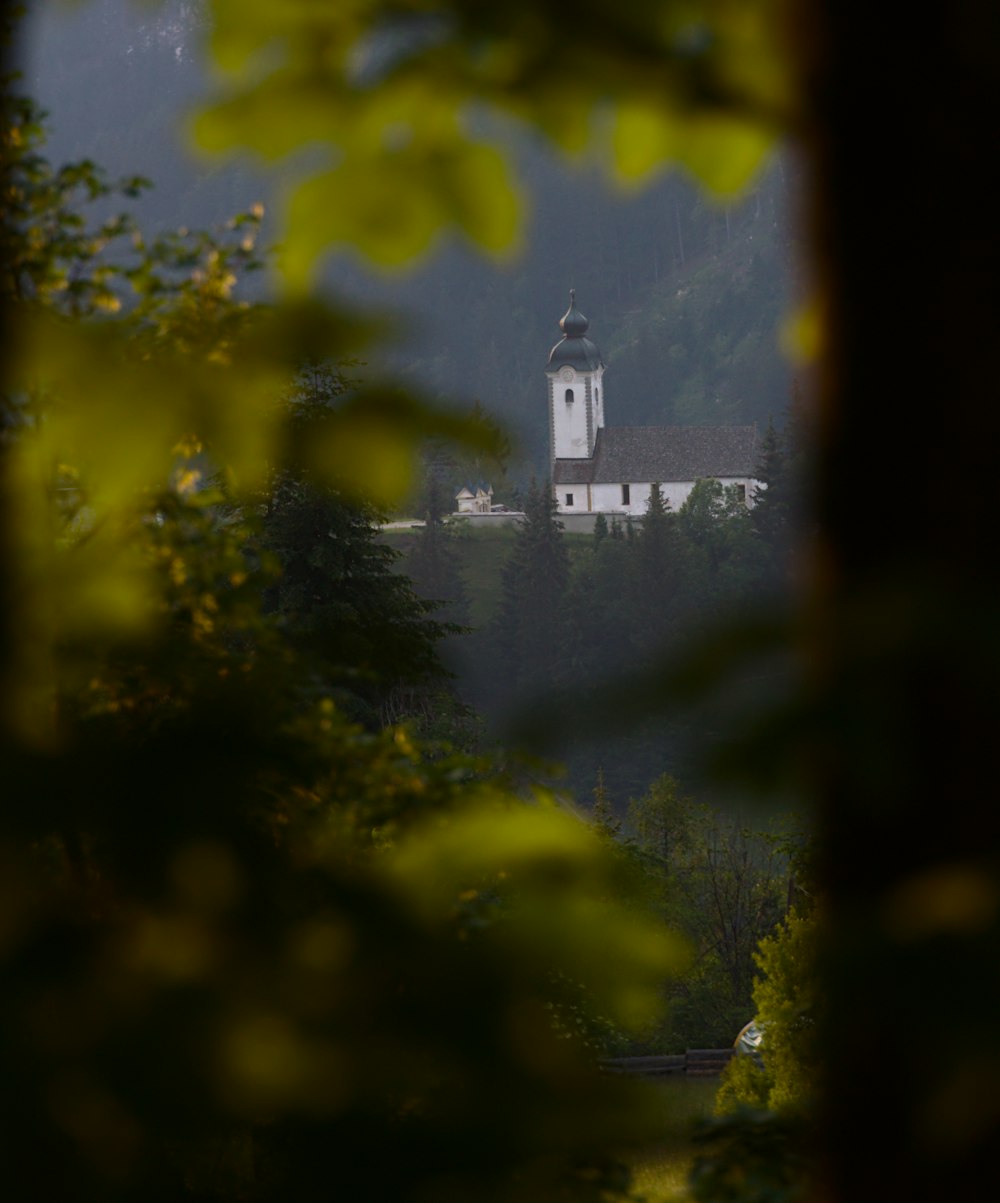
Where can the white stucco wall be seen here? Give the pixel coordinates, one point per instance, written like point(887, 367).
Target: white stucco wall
point(579, 495)
point(572, 436)
point(608, 498)
point(598, 386)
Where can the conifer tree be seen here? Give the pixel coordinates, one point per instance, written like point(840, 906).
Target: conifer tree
point(776, 503)
point(433, 563)
point(600, 529)
point(658, 578)
point(602, 811)
point(655, 532)
point(770, 473)
point(531, 624)
point(656, 507)
point(337, 592)
point(599, 617)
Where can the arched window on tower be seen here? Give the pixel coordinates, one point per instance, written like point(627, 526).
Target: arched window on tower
point(597, 396)
point(569, 395)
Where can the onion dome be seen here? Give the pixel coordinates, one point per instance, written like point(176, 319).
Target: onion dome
point(574, 349)
point(572, 323)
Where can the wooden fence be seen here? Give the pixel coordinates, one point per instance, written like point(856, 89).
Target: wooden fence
point(696, 1063)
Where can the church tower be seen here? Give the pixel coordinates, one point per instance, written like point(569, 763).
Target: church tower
point(575, 374)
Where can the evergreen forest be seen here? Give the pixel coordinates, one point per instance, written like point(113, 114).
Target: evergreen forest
point(555, 625)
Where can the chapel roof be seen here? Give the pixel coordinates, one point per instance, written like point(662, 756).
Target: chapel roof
point(475, 488)
point(640, 454)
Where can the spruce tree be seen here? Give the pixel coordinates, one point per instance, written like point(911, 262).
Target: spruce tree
point(655, 522)
point(602, 812)
point(776, 503)
point(658, 578)
point(531, 623)
point(770, 472)
point(433, 563)
point(600, 529)
point(338, 590)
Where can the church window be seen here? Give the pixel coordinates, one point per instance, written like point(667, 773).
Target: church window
point(741, 492)
point(569, 395)
point(597, 395)
point(569, 498)
point(626, 498)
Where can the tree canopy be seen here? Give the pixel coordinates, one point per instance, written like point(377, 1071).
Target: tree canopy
point(250, 947)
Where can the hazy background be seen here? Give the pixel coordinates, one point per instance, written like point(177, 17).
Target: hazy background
point(686, 295)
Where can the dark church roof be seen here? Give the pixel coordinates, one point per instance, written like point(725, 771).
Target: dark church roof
point(573, 348)
point(642, 454)
point(579, 353)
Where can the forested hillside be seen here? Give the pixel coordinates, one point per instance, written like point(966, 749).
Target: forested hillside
point(686, 295)
point(571, 627)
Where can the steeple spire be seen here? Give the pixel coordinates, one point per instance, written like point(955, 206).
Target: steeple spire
point(575, 371)
point(574, 348)
point(573, 324)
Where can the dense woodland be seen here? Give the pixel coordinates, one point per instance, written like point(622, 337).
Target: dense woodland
point(554, 620)
point(551, 631)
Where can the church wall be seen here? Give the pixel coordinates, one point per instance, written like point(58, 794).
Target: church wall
point(572, 423)
point(569, 418)
point(599, 398)
point(608, 498)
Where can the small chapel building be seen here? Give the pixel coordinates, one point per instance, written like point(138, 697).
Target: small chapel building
point(474, 499)
point(611, 469)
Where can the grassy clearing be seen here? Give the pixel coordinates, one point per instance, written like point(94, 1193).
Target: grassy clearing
point(484, 553)
point(660, 1172)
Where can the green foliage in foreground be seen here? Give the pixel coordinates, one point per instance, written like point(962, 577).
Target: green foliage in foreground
point(251, 949)
point(751, 1157)
point(787, 1006)
point(383, 109)
point(760, 1148)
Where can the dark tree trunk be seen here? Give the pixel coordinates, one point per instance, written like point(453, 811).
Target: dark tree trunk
point(900, 125)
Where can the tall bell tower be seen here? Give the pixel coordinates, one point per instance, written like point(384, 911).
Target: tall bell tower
point(575, 373)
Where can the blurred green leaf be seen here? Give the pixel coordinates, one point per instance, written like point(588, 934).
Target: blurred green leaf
point(386, 91)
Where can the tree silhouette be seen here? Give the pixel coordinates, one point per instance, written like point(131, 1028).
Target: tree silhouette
point(531, 626)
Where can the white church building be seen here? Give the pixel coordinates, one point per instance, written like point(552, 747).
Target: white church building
point(611, 469)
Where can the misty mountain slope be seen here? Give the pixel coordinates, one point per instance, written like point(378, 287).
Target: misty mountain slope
point(685, 299)
point(701, 346)
point(685, 295)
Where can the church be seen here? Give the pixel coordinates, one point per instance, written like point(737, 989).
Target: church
point(611, 469)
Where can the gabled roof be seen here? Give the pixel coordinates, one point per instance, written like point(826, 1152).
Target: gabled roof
point(479, 488)
point(643, 454)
